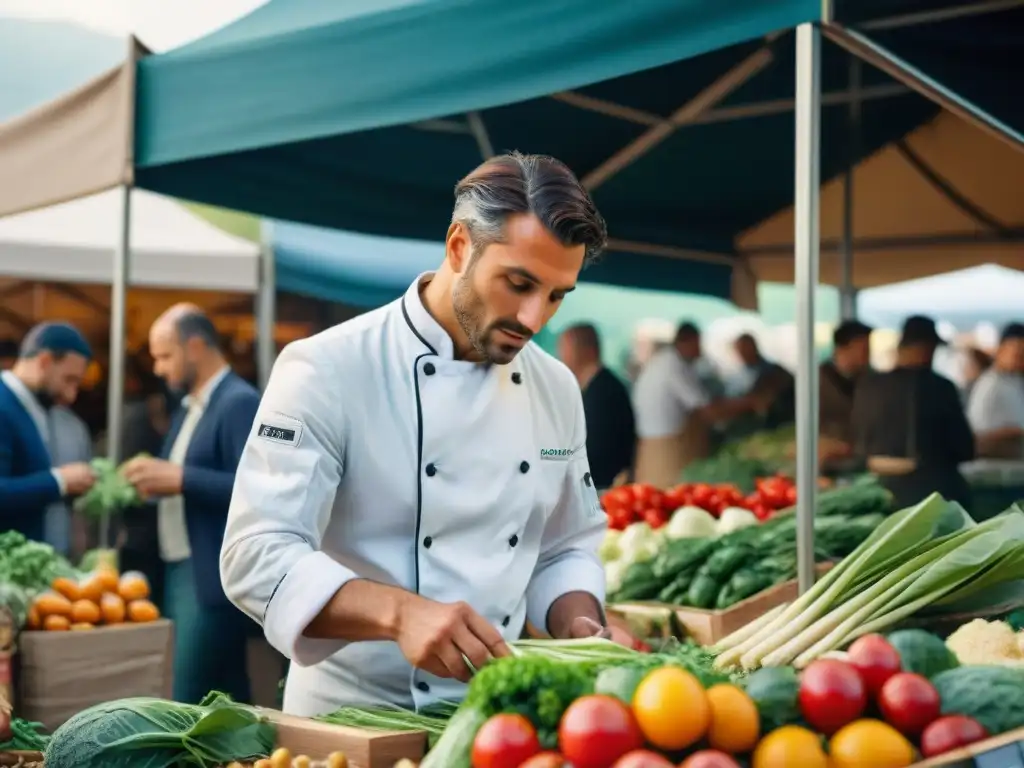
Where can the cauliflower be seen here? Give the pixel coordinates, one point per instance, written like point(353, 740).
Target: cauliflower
point(735, 518)
point(609, 551)
point(613, 573)
point(639, 543)
point(691, 523)
point(986, 643)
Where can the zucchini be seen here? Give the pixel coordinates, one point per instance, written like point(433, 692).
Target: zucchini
point(703, 591)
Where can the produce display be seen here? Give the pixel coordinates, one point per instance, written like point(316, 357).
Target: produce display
point(638, 502)
point(699, 562)
point(924, 558)
point(27, 568)
point(282, 758)
point(101, 598)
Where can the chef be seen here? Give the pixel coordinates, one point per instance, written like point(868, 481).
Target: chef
point(415, 487)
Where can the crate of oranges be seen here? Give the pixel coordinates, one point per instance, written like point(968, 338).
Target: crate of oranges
point(91, 640)
point(101, 598)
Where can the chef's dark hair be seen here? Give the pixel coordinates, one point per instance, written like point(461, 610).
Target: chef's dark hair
point(59, 339)
point(515, 183)
point(196, 325)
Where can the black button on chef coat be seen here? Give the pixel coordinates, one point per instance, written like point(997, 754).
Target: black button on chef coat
point(431, 470)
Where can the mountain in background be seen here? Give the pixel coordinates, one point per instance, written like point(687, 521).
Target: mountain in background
point(41, 59)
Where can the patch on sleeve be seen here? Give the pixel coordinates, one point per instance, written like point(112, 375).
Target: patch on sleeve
point(280, 429)
point(589, 497)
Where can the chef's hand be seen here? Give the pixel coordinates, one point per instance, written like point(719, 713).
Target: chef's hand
point(153, 477)
point(435, 636)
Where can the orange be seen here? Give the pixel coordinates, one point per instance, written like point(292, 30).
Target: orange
point(870, 744)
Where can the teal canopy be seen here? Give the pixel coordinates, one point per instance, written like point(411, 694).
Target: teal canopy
point(361, 115)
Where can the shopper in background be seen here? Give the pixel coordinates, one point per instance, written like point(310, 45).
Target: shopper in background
point(851, 358)
point(996, 406)
point(975, 363)
point(611, 429)
point(192, 483)
point(49, 369)
point(909, 424)
point(71, 444)
point(773, 388)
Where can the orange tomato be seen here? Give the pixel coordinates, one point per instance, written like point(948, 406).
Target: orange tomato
point(133, 586)
point(671, 708)
point(870, 743)
point(788, 747)
point(141, 611)
point(85, 612)
point(735, 723)
point(67, 587)
point(113, 608)
point(52, 604)
point(55, 623)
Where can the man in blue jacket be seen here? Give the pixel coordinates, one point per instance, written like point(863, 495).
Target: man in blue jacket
point(191, 483)
point(51, 364)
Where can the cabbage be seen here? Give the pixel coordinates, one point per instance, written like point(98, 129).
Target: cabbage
point(613, 573)
point(734, 518)
point(153, 733)
point(691, 523)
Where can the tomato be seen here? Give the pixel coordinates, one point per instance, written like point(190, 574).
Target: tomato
point(761, 512)
point(909, 703)
point(714, 504)
point(620, 497)
point(545, 760)
point(656, 500)
point(642, 758)
point(865, 743)
point(596, 731)
point(673, 498)
point(671, 708)
point(504, 741)
point(791, 496)
point(643, 493)
point(619, 518)
point(790, 747)
point(700, 493)
point(709, 758)
point(752, 500)
point(773, 491)
point(832, 694)
point(876, 661)
point(735, 722)
point(730, 494)
point(654, 517)
point(949, 733)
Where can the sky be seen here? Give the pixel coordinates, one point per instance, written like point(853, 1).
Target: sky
point(160, 24)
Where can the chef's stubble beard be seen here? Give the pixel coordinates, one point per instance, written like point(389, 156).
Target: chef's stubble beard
point(470, 311)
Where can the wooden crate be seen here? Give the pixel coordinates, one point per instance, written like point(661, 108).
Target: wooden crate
point(708, 627)
point(363, 748)
point(1004, 751)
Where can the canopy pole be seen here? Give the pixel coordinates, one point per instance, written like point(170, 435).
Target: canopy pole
point(847, 291)
point(118, 339)
point(266, 307)
point(806, 242)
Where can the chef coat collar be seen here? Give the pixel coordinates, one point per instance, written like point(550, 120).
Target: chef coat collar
point(434, 338)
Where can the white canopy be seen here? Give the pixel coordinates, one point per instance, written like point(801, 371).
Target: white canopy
point(171, 247)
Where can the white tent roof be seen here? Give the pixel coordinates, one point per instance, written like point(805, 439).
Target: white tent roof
point(170, 247)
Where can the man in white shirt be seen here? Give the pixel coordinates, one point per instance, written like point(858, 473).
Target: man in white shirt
point(416, 483)
point(996, 406)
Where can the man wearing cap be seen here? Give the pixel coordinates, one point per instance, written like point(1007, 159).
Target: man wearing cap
point(851, 357)
point(48, 372)
point(909, 424)
point(996, 406)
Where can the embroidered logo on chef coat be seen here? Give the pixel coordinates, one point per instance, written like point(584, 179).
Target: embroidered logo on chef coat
point(280, 429)
point(556, 454)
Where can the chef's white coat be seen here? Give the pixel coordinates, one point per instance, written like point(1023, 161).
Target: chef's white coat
point(376, 454)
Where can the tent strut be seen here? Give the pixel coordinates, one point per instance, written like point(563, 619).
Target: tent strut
point(941, 14)
point(707, 98)
point(479, 131)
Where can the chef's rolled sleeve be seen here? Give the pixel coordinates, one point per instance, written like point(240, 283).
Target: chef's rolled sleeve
point(271, 564)
point(568, 559)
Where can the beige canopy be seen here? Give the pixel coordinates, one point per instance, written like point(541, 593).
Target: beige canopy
point(74, 146)
point(937, 201)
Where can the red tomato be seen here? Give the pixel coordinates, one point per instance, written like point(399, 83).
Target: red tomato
point(700, 493)
point(673, 498)
point(596, 731)
point(730, 494)
point(642, 758)
point(643, 493)
point(909, 703)
point(654, 517)
point(619, 518)
point(709, 758)
point(620, 497)
point(656, 500)
point(791, 496)
point(752, 500)
point(504, 741)
point(545, 760)
point(761, 512)
point(949, 733)
point(876, 661)
point(714, 504)
point(832, 694)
